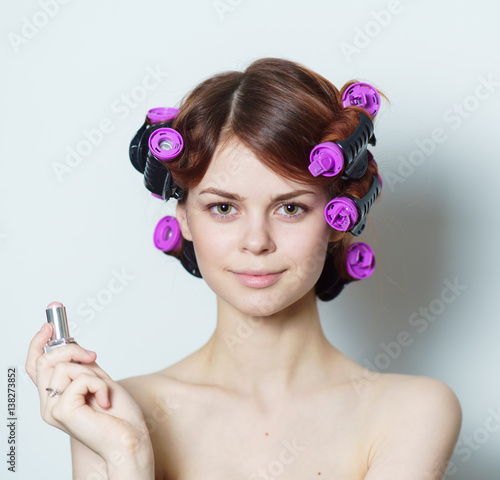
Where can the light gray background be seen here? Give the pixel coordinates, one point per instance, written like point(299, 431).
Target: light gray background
point(65, 238)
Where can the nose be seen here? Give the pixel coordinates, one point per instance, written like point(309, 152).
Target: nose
point(256, 236)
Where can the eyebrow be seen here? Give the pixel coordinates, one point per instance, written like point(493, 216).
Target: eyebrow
point(238, 198)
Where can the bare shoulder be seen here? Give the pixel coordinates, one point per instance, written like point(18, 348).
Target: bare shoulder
point(415, 395)
point(164, 377)
point(415, 423)
point(156, 392)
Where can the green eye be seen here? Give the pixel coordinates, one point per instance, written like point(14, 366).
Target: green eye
point(223, 208)
point(291, 209)
point(294, 210)
point(288, 210)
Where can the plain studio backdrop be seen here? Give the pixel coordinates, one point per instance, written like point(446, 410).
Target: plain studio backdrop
point(76, 221)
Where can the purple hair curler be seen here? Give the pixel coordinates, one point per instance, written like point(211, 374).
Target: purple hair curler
point(167, 235)
point(162, 114)
point(165, 144)
point(349, 213)
point(362, 95)
point(360, 260)
point(351, 155)
point(341, 213)
point(326, 159)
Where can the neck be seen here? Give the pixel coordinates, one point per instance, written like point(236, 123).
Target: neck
point(268, 357)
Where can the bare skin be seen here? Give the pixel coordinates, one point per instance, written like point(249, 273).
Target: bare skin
point(339, 421)
point(267, 395)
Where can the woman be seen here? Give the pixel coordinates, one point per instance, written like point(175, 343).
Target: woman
point(268, 394)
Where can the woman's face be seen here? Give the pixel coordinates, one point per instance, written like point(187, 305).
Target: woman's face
point(260, 240)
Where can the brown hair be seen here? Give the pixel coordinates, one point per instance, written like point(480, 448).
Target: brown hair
point(279, 110)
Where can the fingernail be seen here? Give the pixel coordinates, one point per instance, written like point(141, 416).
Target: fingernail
point(90, 352)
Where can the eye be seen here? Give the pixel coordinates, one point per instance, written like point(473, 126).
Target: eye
point(221, 209)
point(227, 210)
point(293, 209)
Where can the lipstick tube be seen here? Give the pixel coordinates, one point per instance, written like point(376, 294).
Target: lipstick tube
point(56, 315)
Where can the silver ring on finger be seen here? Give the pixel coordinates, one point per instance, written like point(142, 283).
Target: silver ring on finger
point(54, 392)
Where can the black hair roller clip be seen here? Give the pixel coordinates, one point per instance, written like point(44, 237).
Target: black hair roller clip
point(348, 213)
point(349, 156)
point(154, 144)
point(330, 158)
point(360, 264)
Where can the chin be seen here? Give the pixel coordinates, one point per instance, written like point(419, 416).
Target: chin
point(256, 303)
point(261, 302)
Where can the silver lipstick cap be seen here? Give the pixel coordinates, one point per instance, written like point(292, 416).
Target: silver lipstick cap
point(56, 315)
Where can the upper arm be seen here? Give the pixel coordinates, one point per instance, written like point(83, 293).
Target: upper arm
point(421, 423)
point(86, 463)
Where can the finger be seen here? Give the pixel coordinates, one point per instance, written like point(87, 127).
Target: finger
point(36, 349)
point(64, 354)
point(98, 370)
point(74, 397)
point(62, 376)
point(53, 361)
point(72, 352)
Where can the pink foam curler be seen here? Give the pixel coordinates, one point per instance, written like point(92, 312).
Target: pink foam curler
point(362, 95)
point(360, 260)
point(341, 213)
point(167, 234)
point(326, 159)
point(165, 144)
point(162, 114)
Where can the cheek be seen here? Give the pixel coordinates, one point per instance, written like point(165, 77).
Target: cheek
point(310, 254)
point(315, 253)
point(212, 243)
point(309, 242)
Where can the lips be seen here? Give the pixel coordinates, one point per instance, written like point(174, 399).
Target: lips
point(258, 278)
point(257, 272)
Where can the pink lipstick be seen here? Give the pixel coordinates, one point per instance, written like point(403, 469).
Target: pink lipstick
point(258, 281)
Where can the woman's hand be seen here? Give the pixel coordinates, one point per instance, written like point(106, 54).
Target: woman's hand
point(92, 408)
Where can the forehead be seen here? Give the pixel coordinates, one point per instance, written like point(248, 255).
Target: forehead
point(236, 168)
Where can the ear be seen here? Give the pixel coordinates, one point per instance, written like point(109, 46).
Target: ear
point(181, 215)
